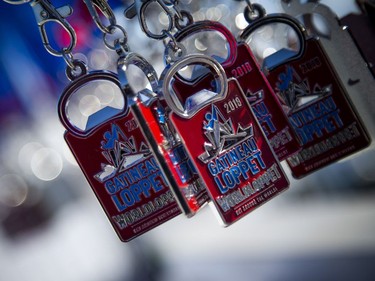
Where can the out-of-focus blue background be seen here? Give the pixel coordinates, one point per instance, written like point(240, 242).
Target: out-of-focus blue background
point(52, 227)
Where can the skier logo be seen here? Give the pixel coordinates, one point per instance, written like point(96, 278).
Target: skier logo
point(121, 153)
point(221, 134)
point(294, 95)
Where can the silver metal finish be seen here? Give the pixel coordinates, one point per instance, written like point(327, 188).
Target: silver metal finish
point(253, 11)
point(85, 78)
point(142, 6)
point(76, 69)
point(105, 9)
point(45, 12)
point(123, 38)
point(187, 111)
point(123, 64)
point(16, 2)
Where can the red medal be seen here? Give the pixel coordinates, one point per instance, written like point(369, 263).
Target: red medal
point(186, 184)
point(242, 65)
point(190, 185)
point(312, 95)
point(115, 156)
point(228, 147)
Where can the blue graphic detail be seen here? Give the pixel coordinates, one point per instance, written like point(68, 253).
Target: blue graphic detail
point(221, 134)
point(286, 79)
point(111, 137)
point(121, 152)
point(295, 92)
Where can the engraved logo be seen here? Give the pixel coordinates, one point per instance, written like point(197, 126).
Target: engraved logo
point(221, 134)
point(121, 152)
point(295, 92)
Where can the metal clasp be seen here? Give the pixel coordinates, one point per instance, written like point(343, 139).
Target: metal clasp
point(142, 6)
point(45, 12)
point(105, 9)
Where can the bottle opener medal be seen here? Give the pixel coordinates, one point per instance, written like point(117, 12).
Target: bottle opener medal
point(113, 152)
point(227, 147)
point(241, 64)
point(189, 189)
point(312, 95)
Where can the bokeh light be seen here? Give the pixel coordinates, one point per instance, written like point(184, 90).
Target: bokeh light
point(13, 190)
point(46, 164)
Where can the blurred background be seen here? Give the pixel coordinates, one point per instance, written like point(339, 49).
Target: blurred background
point(53, 228)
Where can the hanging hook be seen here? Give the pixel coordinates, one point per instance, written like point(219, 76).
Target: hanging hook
point(142, 6)
point(45, 12)
point(105, 9)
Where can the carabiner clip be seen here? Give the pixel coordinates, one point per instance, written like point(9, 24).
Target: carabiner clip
point(105, 9)
point(45, 12)
point(141, 6)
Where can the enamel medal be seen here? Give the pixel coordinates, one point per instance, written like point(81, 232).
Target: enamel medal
point(187, 186)
point(227, 147)
point(105, 136)
point(240, 63)
point(312, 95)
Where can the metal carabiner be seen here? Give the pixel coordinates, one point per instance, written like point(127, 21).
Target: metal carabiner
point(141, 6)
point(105, 9)
point(45, 12)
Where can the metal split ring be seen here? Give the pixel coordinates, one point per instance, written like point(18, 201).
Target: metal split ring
point(79, 69)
